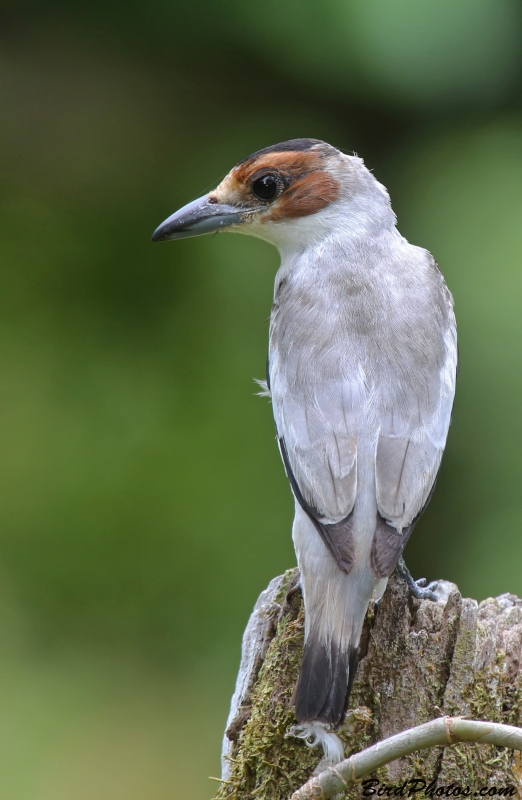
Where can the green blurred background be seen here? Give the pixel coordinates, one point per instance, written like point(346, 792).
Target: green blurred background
point(143, 504)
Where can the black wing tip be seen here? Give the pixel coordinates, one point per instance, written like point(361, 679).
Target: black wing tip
point(387, 545)
point(338, 537)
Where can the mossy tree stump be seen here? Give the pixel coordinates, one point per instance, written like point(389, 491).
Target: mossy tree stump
point(419, 659)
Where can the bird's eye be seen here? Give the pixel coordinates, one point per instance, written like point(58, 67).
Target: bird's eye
point(266, 188)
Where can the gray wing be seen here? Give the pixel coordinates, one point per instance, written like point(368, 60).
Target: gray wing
point(410, 445)
point(320, 462)
point(367, 415)
point(411, 442)
point(321, 448)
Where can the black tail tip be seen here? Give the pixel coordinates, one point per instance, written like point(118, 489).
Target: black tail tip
point(325, 682)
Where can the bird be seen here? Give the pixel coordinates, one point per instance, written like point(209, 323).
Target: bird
point(361, 371)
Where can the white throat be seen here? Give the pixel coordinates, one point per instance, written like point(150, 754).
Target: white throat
point(361, 212)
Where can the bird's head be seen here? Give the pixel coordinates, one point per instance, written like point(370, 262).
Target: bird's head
point(286, 194)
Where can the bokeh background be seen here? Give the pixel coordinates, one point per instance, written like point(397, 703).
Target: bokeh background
point(143, 506)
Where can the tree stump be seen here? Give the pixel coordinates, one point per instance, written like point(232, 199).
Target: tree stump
point(419, 659)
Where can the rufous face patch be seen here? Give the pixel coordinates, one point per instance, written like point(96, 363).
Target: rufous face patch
point(302, 183)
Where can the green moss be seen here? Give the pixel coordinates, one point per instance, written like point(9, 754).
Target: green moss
point(439, 662)
point(487, 694)
point(266, 763)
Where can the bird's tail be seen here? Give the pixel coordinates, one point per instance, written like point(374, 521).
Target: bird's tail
point(335, 607)
point(325, 680)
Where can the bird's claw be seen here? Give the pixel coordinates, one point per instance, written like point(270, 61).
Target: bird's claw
point(415, 587)
point(422, 594)
point(294, 590)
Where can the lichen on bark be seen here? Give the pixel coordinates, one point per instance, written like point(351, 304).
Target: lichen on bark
point(419, 659)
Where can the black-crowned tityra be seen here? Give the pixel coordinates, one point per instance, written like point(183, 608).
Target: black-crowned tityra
point(362, 365)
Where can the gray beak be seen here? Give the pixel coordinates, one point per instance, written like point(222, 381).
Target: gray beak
point(200, 216)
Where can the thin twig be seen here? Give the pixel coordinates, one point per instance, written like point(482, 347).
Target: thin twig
point(441, 731)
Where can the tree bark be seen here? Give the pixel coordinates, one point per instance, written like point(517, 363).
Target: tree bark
point(419, 660)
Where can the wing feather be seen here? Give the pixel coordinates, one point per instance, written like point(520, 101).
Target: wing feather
point(409, 448)
point(322, 450)
point(364, 407)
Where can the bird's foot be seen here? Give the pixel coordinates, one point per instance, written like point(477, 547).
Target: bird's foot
point(294, 589)
point(416, 587)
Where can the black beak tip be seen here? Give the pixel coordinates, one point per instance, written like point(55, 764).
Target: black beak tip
point(158, 235)
point(196, 218)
